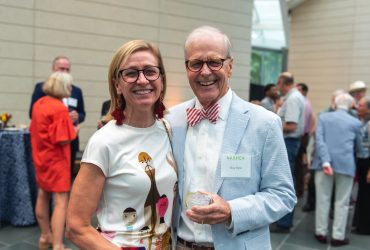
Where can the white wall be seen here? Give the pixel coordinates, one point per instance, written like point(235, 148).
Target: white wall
point(330, 46)
point(32, 33)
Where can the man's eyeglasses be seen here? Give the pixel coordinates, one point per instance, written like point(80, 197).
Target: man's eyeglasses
point(196, 65)
point(131, 75)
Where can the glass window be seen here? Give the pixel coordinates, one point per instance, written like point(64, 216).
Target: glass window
point(266, 65)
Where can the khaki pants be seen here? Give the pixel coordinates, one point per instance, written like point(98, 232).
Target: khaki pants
point(324, 189)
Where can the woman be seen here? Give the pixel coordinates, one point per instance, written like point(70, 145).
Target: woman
point(51, 132)
point(127, 174)
point(362, 210)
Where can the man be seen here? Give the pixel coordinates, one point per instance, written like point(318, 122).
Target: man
point(74, 103)
point(337, 135)
point(234, 166)
point(268, 102)
point(357, 90)
point(292, 117)
point(302, 159)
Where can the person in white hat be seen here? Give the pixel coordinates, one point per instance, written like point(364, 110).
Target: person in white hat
point(357, 90)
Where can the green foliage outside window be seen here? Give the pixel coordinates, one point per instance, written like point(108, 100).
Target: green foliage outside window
point(266, 65)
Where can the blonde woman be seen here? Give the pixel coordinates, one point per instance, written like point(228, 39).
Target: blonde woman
point(127, 175)
point(51, 132)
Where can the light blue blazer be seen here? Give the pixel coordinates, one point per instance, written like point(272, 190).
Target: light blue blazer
point(257, 201)
point(338, 134)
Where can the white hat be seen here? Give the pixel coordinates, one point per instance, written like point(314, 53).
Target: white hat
point(357, 85)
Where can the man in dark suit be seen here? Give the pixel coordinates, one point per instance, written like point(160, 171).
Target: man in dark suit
point(75, 103)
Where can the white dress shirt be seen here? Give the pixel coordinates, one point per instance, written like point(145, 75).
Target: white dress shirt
point(202, 149)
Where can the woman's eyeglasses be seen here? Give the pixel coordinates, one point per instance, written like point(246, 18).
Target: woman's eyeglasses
point(131, 75)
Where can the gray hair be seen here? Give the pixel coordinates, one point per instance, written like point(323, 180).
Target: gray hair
point(58, 58)
point(209, 31)
point(344, 101)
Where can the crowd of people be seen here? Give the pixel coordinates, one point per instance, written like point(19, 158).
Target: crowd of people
point(333, 153)
point(214, 172)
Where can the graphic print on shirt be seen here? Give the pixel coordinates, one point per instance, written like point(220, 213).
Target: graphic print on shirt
point(150, 211)
point(162, 206)
point(129, 217)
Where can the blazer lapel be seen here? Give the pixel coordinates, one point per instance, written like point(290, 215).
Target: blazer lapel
point(236, 124)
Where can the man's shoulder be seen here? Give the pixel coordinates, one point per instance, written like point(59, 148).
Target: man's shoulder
point(297, 95)
point(176, 113)
point(265, 99)
point(76, 88)
point(342, 113)
point(182, 106)
point(38, 85)
point(257, 112)
point(261, 112)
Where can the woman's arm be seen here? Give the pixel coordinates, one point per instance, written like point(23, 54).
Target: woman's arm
point(85, 196)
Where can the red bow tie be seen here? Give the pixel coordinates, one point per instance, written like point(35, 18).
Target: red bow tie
point(196, 115)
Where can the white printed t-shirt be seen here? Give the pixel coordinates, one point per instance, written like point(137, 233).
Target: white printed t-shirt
point(141, 180)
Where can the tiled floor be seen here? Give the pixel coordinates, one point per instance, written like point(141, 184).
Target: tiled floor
point(300, 238)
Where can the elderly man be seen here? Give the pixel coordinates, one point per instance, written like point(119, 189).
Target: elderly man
point(233, 172)
point(337, 135)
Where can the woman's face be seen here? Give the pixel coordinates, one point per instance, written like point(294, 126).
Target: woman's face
point(142, 93)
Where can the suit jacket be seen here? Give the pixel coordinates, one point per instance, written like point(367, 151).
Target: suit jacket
point(257, 201)
point(337, 136)
point(76, 94)
point(105, 108)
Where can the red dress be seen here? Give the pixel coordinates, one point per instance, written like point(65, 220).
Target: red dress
point(51, 125)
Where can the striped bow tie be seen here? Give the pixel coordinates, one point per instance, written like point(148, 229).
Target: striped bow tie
point(196, 115)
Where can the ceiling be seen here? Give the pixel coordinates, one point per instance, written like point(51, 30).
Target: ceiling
point(271, 23)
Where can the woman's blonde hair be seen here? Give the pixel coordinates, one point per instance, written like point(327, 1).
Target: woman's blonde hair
point(121, 55)
point(58, 85)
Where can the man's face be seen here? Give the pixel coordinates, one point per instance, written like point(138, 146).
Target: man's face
point(62, 65)
point(209, 86)
point(359, 94)
point(272, 92)
point(280, 86)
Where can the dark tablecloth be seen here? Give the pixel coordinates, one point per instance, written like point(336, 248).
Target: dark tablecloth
point(18, 188)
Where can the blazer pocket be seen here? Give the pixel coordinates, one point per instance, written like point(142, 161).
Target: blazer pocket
point(261, 242)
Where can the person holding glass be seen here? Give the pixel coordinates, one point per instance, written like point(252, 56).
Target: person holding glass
point(51, 133)
point(128, 175)
point(234, 176)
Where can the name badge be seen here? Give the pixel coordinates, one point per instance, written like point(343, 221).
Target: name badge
point(236, 165)
point(72, 102)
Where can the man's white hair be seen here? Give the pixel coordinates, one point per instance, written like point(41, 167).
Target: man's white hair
point(344, 101)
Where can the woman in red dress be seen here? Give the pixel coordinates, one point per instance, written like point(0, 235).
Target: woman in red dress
point(51, 132)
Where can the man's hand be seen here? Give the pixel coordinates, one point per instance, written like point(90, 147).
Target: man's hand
point(217, 212)
point(368, 176)
point(327, 170)
point(77, 128)
point(74, 116)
